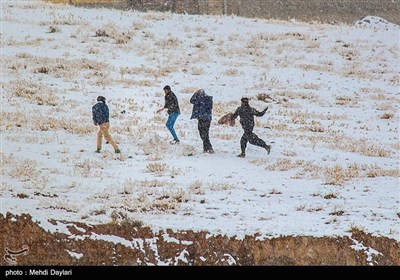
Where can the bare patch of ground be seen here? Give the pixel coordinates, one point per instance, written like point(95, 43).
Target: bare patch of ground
point(344, 11)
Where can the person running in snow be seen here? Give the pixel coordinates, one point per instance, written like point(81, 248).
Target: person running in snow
point(101, 118)
point(247, 114)
point(172, 106)
point(202, 111)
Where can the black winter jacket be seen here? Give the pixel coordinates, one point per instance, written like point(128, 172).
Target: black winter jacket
point(247, 114)
point(171, 103)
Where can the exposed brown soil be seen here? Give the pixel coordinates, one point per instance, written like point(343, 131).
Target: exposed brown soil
point(142, 246)
point(302, 10)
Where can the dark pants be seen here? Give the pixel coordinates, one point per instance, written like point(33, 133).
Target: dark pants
point(204, 129)
point(250, 136)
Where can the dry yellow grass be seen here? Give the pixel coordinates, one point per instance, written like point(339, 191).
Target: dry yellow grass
point(335, 175)
point(87, 168)
point(387, 116)
point(231, 72)
point(224, 136)
point(157, 168)
point(37, 93)
point(220, 186)
point(360, 146)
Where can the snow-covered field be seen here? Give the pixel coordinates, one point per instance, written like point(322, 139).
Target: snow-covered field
point(333, 118)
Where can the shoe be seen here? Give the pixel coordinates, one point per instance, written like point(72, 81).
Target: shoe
point(210, 151)
point(173, 142)
point(268, 148)
point(117, 151)
point(98, 151)
point(241, 155)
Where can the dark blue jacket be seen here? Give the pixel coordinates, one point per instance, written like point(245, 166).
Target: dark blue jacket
point(202, 106)
point(100, 113)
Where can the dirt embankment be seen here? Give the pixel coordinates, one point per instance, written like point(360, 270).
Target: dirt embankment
point(331, 11)
point(91, 245)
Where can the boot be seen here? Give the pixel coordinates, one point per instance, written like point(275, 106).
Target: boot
point(241, 155)
point(98, 151)
point(268, 148)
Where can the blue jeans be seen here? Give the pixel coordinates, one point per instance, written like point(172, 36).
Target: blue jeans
point(170, 124)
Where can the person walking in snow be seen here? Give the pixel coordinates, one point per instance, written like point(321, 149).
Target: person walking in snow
point(202, 111)
point(172, 106)
point(101, 118)
point(247, 114)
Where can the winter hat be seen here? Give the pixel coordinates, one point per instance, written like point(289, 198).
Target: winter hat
point(101, 99)
point(200, 91)
point(245, 100)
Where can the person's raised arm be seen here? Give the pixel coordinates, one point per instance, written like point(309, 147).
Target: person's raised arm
point(195, 97)
point(259, 114)
point(235, 115)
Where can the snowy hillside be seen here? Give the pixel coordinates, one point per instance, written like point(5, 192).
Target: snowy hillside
point(333, 121)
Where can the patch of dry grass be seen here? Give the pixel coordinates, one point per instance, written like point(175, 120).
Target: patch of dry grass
point(285, 94)
point(231, 72)
point(310, 116)
point(386, 106)
point(55, 67)
point(74, 126)
point(220, 186)
point(60, 204)
point(157, 168)
point(332, 175)
point(338, 176)
point(153, 16)
point(345, 100)
point(36, 93)
point(24, 170)
point(316, 67)
point(313, 86)
point(90, 168)
point(189, 90)
point(289, 153)
point(196, 187)
point(110, 30)
point(359, 146)
point(281, 165)
point(169, 42)
point(387, 116)
point(13, 120)
point(224, 136)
